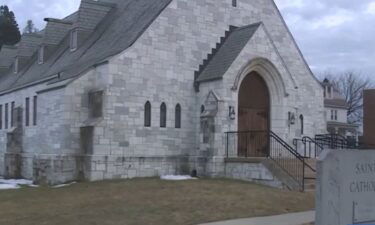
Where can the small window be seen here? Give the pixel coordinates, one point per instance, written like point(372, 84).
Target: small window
point(1, 117)
point(35, 110)
point(234, 3)
point(334, 115)
point(16, 62)
point(41, 55)
point(73, 40)
point(163, 115)
point(302, 124)
point(329, 92)
point(27, 112)
point(202, 109)
point(178, 116)
point(148, 114)
point(96, 104)
point(6, 120)
point(12, 114)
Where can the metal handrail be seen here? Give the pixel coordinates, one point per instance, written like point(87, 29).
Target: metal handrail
point(285, 156)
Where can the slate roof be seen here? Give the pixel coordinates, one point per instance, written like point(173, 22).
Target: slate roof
point(222, 58)
point(336, 103)
point(119, 29)
point(7, 55)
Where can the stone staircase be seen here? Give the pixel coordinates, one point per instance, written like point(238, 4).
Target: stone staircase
point(288, 181)
point(310, 175)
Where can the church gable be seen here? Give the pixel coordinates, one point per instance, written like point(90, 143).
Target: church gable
point(243, 46)
point(221, 57)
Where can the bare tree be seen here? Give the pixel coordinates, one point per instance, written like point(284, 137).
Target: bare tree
point(351, 85)
point(30, 28)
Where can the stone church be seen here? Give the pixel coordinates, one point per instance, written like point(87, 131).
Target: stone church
point(141, 88)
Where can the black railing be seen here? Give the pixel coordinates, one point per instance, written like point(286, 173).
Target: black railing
point(308, 147)
point(267, 144)
point(335, 141)
point(287, 159)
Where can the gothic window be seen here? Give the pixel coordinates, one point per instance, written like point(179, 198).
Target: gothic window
point(6, 120)
point(96, 104)
point(302, 123)
point(234, 3)
point(178, 116)
point(202, 109)
point(27, 111)
point(1, 116)
point(11, 114)
point(35, 107)
point(148, 114)
point(163, 115)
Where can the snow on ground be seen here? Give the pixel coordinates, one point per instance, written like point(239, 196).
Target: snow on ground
point(15, 183)
point(8, 186)
point(177, 177)
point(63, 185)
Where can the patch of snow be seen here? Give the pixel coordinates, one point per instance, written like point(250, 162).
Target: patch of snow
point(14, 183)
point(8, 186)
point(177, 177)
point(63, 185)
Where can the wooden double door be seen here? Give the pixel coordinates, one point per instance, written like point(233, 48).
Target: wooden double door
point(253, 117)
point(253, 132)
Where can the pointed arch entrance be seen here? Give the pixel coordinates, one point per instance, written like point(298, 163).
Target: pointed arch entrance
point(253, 116)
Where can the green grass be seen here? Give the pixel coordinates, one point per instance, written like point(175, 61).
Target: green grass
point(147, 202)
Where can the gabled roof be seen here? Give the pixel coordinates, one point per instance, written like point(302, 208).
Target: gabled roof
point(123, 25)
point(223, 57)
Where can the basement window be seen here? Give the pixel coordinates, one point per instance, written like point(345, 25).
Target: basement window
point(73, 40)
point(41, 55)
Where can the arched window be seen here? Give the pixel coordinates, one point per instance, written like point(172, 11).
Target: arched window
point(301, 123)
point(148, 114)
point(202, 109)
point(178, 116)
point(163, 115)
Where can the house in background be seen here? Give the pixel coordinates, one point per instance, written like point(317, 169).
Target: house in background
point(369, 118)
point(337, 112)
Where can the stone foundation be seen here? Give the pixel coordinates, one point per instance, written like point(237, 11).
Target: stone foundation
point(57, 169)
point(253, 171)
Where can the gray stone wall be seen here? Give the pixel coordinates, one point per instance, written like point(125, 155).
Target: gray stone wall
point(159, 68)
point(44, 155)
point(255, 172)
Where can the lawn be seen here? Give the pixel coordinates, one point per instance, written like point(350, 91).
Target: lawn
point(147, 202)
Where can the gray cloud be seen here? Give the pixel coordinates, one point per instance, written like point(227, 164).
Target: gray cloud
point(334, 35)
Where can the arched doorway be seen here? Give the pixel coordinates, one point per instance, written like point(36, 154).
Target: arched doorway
point(253, 116)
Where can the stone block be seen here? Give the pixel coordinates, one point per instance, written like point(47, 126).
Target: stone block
point(346, 187)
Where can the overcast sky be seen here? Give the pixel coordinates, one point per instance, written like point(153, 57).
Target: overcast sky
point(334, 35)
